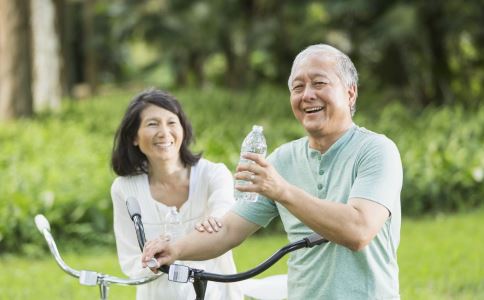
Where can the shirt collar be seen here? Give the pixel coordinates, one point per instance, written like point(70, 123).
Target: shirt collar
point(335, 147)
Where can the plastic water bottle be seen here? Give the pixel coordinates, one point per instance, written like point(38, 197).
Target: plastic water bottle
point(173, 226)
point(254, 142)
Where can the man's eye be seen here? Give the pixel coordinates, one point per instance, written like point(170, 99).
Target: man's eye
point(297, 88)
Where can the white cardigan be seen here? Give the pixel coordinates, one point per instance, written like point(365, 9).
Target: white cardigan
point(210, 194)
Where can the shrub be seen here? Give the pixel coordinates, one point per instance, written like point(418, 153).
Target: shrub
point(58, 164)
point(442, 153)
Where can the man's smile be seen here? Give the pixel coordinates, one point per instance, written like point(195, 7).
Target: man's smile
point(315, 109)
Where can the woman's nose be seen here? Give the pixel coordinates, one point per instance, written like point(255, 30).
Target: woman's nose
point(162, 130)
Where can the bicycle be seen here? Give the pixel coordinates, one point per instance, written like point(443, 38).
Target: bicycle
point(176, 272)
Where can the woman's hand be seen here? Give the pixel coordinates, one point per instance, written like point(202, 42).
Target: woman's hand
point(264, 177)
point(210, 225)
point(163, 251)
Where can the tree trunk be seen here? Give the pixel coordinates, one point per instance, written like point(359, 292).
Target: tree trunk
point(46, 56)
point(15, 60)
point(195, 61)
point(63, 26)
point(90, 63)
point(432, 16)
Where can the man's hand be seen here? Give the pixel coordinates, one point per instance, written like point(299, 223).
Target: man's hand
point(265, 179)
point(164, 252)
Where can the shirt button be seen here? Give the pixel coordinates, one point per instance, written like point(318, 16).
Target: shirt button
point(320, 186)
point(321, 172)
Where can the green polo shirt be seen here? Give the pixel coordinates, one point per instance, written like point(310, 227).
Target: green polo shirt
point(359, 164)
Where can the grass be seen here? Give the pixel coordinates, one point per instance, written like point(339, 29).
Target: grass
point(440, 257)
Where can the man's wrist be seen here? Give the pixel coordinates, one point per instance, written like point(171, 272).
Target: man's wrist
point(177, 249)
point(285, 195)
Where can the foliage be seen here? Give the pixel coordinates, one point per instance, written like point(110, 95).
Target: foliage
point(432, 265)
point(442, 155)
point(422, 52)
point(427, 52)
point(58, 164)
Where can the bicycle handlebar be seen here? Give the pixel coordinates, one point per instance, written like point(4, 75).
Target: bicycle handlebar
point(198, 277)
point(307, 242)
point(89, 278)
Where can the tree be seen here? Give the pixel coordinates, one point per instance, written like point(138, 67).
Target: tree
point(90, 62)
point(15, 59)
point(46, 54)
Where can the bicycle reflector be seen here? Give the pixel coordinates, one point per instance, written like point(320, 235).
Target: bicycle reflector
point(178, 273)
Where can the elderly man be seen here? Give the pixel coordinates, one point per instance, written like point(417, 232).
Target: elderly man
point(341, 181)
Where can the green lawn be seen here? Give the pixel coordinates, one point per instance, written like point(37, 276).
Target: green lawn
point(440, 258)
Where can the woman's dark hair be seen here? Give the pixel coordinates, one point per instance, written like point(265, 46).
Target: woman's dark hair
point(127, 159)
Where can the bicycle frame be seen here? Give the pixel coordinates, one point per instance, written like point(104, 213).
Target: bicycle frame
point(88, 278)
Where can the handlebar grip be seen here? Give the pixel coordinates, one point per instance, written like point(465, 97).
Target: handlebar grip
point(41, 223)
point(315, 239)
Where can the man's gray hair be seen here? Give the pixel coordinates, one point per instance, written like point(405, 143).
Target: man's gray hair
point(345, 69)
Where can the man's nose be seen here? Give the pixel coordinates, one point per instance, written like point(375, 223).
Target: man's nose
point(308, 93)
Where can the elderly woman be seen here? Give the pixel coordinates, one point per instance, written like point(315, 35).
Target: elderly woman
point(152, 158)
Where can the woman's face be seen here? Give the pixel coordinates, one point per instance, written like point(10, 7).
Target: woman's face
point(160, 134)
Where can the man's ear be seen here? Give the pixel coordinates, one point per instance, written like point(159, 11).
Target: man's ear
point(352, 94)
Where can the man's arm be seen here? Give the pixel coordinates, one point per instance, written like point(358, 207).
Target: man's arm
point(352, 225)
point(201, 245)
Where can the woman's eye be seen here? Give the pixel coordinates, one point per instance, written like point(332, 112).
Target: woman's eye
point(297, 88)
point(150, 124)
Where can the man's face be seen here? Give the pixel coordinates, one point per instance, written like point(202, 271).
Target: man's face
point(319, 99)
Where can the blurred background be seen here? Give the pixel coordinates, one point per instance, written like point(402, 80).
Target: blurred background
point(68, 68)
